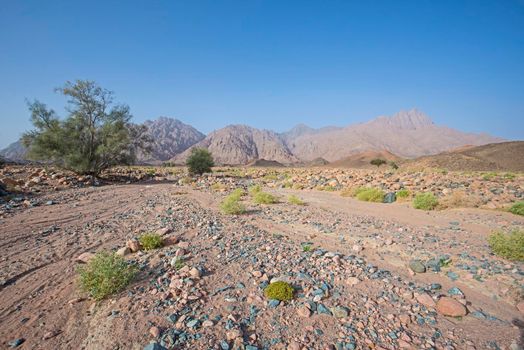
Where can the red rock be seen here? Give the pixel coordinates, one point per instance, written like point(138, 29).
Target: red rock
point(134, 245)
point(84, 257)
point(426, 300)
point(154, 331)
point(163, 231)
point(450, 307)
point(520, 306)
point(170, 240)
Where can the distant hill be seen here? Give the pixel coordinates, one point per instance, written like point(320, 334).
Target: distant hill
point(241, 144)
point(362, 160)
point(504, 156)
point(170, 137)
point(408, 134)
point(15, 152)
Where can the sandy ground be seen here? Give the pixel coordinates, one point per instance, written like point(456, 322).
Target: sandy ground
point(40, 301)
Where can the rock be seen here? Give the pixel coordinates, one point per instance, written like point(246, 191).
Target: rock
point(133, 245)
point(154, 331)
point(273, 303)
point(16, 342)
point(50, 334)
point(321, 309)
point(183, 245)
point(426, 300)
point(195, 273)
point(163, 231)
point(352, 281)
point(123, 251)
point(154, 346)
point(170, 240)
point(84, 258)
point(520, 307)
point(357, 248)
point(450, 307)
point(294, 345)
point(390, 197)
point(455, 291)
point(208, 323)
point(304, 311)
point(417, 266)
point(340, 311)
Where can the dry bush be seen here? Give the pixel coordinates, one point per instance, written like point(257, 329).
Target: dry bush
point(459, 199)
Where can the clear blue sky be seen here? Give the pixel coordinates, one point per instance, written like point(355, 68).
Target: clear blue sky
point(271, 64)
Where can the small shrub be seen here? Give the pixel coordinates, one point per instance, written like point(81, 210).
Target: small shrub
point(307, 247)
point(370, 194)
point(179, 263)
point(218, 187)
point(510, 176)
point(105, 274)
point(295, 200)
point(150, 241)
point(265, 198)
point(425, 201)
point(459, 199)
point(200, 161)
point(327, 188)
point(393, 165)
point(253, 190)
point(279, 290)
point(403, 193)
point(517, 208)
point(231, 204)
point(489, 176)
point(377, 162)
point(271, 177)
point(508, 245)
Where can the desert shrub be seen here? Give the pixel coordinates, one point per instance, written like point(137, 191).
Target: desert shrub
point(217, 186)
point(370, 194)
point(200, 161)
point(105, 274)
point(292, 199)
point(508, 245)
point(517, 208)
point(253, 190)
point(459, 199)
point(489, 176)
point(231, 205)
point(150, 241)
point(265, 198)
point(393, 165)
point(510, 176)
point(271, 177)
point(238, 193)
point(377, 162)
point(179, 263)
point(327, 188)
point(403, 193)
point(95, 135)
point(297, 186)
point(279, 290)
point(425, 201)
point(307, 247)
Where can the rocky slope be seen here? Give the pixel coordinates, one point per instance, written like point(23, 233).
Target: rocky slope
point(170, 137)
point(15, 152)
point(241, 144)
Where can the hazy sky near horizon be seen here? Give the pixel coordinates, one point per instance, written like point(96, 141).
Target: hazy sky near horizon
point(271, 64)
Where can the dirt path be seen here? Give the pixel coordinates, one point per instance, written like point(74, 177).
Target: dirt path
point(39, 244)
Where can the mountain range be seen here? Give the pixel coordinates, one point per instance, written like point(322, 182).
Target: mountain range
point(407, 134)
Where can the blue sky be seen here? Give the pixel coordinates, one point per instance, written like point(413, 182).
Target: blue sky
point(271, 64)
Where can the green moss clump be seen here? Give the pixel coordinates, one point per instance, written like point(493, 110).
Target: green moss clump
point(292, 199)
point(517, 208)
point(150, 241)
point(425, 201)
point(279, 290)
point(265, 198)
point(403, 193)
point(231, 205)
point(369, 194)
point(253, 190)
point(508, 245)
point(105, 274)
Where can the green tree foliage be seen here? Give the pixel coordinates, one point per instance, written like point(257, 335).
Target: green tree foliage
point(94, 136)
point(377, 161)
point(200, 161)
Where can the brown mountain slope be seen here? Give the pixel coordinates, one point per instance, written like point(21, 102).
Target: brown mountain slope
point(407, 134)
point(363, 159)
point(505, 156)
point(241, 144)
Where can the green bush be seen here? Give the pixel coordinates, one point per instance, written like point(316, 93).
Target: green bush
point(517, 208)
point(425, 201)
point(370, 194)
point(150, 241)
point(200, 161)
point(307, 248)
point(508, 245)
point(231, 204)
point(292, 199)
point(253, 190)
point(377, 161)
point(279, 290)
point(403, 193)
point(265, 198)
point(179, 263)
point(105, 274)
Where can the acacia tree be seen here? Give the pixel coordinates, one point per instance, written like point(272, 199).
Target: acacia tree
point(378, 162)
point(94, 136)
point(200, 161)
